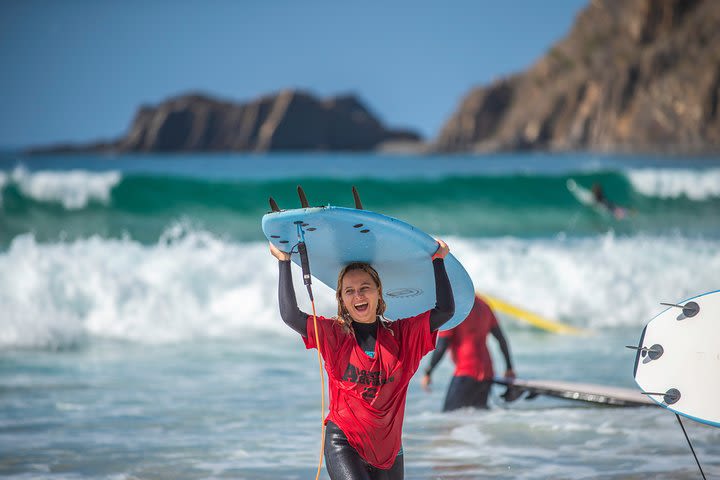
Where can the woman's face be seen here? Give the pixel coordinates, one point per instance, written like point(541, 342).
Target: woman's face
point(360, 296)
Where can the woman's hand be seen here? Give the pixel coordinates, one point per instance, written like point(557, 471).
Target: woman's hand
point(279, 254)
point(442, 249)
point(425, 382)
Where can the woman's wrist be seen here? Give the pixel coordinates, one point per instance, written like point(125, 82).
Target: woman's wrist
point(442, 250)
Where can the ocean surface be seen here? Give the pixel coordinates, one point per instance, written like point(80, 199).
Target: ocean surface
point(140, 336)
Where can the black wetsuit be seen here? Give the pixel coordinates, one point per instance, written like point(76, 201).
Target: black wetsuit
point(601, 199)
point(341, 459)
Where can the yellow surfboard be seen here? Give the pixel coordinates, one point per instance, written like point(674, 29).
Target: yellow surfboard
point(532, 318)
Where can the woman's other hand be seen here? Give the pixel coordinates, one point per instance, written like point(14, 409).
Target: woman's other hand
point(279, 254)
point(442, 249)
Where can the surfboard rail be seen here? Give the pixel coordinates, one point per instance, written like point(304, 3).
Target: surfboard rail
point(582, 392)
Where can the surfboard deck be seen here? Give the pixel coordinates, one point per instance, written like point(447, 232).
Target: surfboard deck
point(679, 359)
point(583, 392)
point(336, 236)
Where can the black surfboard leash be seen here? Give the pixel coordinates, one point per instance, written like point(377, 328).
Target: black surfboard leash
point(690, 444)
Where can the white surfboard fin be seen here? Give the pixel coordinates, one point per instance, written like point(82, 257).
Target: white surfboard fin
point(303, 199)
point(669, 397)
point(690, 309)
point(273, 205)
point(653, 352)
point(356, 196)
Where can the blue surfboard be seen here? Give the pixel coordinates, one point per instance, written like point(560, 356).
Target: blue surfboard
point(336, 236)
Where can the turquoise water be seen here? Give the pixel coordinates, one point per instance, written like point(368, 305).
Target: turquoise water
point(140, 338)
point(465, 196)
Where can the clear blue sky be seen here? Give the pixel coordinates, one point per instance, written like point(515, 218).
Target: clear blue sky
point(77, 70)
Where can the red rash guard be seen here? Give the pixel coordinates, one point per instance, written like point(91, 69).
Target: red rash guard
point(367, 395)
point(467, 343)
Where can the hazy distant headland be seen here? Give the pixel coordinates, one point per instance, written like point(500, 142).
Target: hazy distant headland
point(631, 76)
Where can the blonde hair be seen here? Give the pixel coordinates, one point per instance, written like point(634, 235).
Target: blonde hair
point(343, 316)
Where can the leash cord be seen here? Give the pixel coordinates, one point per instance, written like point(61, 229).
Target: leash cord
point(691, 447)
point(322, 392)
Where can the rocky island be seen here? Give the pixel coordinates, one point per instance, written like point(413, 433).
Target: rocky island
point(290, 120)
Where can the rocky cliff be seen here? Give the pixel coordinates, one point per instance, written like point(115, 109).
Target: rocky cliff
point(290, 120)
point(632, 75)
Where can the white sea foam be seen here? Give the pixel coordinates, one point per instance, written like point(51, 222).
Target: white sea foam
point(600, 281)
point(73, 189)
point(189, 285)
point(194, 285)
point(696, 185)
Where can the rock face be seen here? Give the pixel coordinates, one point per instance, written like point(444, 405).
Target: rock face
point(632, 75)
point(290, 120)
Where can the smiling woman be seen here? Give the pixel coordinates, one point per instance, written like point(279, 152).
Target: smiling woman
point(369, 362)
point(359, 294)
point(369, 365)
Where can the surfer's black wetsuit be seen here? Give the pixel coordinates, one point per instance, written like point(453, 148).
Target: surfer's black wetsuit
point(341, 459)
point(600, 198)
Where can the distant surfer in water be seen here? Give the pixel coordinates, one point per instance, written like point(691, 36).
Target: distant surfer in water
point(369, 362)
point(600, 199)
point(473, 377)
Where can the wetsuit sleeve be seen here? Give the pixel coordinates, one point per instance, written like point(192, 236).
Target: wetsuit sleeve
point(289, 311)
point(445, 301)
point(440, 348)
point(504, 347)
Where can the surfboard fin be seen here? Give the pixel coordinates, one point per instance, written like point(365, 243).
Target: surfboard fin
point(690, 309)
point(303, 199)
point(654, 352)
point(669, 397)
point(356, 196)
point(273, 205)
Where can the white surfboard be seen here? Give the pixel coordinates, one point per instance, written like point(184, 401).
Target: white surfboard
point(401, 254)
point(582, 195)
point(583, 392)
point(586, 197)
point(678, 359)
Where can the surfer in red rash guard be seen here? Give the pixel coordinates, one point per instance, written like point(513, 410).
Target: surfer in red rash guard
point(473, 375)
point(369, 362)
